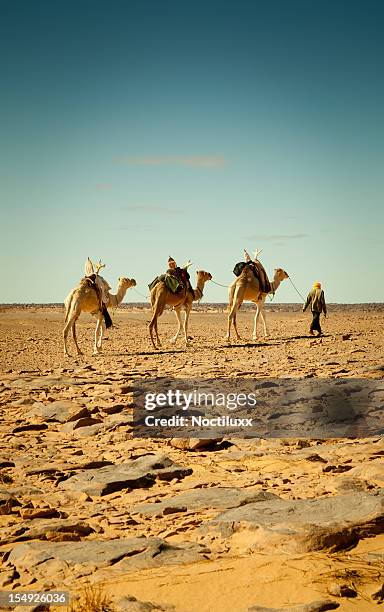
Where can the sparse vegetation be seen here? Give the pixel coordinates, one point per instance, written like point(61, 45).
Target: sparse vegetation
point(92, 599)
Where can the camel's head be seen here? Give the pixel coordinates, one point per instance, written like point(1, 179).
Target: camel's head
point(127, 282)
point(280, 274)
point(203, 276)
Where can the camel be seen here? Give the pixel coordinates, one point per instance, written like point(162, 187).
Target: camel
point(247, 287)
point(161, 297)
point(84, 298)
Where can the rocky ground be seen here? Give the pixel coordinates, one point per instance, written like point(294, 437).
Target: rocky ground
point(241, 524)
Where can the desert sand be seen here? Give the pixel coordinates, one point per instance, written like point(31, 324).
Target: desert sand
point(243, 524)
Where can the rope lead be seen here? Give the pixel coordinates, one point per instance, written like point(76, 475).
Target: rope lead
point(219, 284)
point(297, 291)
point(141, 294)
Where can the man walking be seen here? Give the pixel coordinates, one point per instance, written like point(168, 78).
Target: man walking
point(317, 301)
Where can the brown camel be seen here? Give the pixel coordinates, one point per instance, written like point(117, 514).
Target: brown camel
point(161, 297)
point(85, 299)
point(247, 287)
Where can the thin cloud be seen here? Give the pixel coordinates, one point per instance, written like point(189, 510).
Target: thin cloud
point(193, 161)
point(132, 228)
point(152, 209)
point(279, 237)
point(103, 186)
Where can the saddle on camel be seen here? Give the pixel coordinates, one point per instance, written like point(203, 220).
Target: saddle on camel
point(176, 279)
point(100, 285)
point(257, 269)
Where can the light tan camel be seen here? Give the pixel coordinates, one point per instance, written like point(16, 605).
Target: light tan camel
point(85, 299)
point(161, 297)
point(246, 287)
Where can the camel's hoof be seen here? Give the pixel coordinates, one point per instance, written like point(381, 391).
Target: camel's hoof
point(172, 340)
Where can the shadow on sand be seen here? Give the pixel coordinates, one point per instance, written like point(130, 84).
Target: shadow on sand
point(235, 345)
point(305, 337)
point(153, 352)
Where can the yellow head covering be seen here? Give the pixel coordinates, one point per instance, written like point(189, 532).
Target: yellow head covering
point(317, 285)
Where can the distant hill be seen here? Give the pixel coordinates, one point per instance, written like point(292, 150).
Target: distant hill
point(214, 307)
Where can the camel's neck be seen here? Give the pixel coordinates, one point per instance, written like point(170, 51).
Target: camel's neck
point(198, 292)
point(115, 300)
point(275, 284)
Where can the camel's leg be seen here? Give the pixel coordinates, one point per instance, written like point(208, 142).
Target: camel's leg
point(254, 335)
point(264, 318)
point(235, 326)
point(65, 336)
point(100, 337)
point(230, 319)
point(153, 328)
point(157, 332)
point(99, 323)
point(157, 308)
point(232, 315)
point(152, 325)
point(188, 309)
point(260, 312)
point(70, 324)
point(79, 351)
point(178, 316)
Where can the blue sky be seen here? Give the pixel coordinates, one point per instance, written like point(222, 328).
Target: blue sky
point(131, 131)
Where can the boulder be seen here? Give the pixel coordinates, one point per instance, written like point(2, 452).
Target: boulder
point(140, 472)
point(326, 523)
point(61, 411)
point(38, 529)
point(220, 498)
point(125, 555)
point(83, 422)
point(194, 443)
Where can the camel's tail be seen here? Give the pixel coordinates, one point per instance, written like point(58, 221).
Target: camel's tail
point(107, 318)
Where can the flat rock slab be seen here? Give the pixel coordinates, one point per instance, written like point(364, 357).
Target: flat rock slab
point(36, 558)
point(220, 498)
point(326, 523)
point(314, 606)
point(38, 529)
point(83, 422)
point(61, 411)
point(44, 382)
point(53, 468)
point(141, 472)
